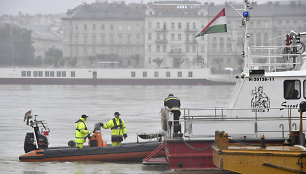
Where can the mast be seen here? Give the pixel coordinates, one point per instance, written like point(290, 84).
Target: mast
point(245, 22)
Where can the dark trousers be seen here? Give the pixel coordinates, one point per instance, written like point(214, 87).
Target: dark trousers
point(176, 117)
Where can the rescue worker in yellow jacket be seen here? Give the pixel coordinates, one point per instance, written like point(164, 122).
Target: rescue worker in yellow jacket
point(81, 131)
point(118, 129)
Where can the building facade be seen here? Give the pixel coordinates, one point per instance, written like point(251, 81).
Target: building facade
point(269, 23)
point(170, 30)
point(43, 40)
point(162, 33)
point(112, 33)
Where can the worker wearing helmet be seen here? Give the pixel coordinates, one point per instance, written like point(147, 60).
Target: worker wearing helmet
point(81, 131)
point(118, 129)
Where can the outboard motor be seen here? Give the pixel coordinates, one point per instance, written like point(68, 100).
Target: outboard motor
point(29, 142)
point(35, 140)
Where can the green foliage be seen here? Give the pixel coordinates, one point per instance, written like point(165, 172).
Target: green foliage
point(136, 60)
point(38, 61)
point(199, 59)
point(158, 61)
point(54, 56)
point(177, 62)
point(15, 46)
point(71, 61)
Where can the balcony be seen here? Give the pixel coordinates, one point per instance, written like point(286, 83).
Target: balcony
point(161, 41)
point(191, 30)
point(161, 30)
point(176, 53)
point(191, 42)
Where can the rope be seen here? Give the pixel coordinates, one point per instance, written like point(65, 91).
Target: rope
point(193, 148)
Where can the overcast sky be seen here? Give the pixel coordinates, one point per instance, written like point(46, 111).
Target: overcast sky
point(61, 6)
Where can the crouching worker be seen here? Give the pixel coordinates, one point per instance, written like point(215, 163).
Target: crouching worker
point(118, 130)
point(81, 131)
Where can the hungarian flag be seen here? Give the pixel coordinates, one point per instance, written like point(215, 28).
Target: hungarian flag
point(217, 25)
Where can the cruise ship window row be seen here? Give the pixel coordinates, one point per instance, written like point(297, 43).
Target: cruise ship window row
point(168, 74)
point(46, 74)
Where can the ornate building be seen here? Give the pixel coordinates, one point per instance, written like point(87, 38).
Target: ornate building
point(170, 30)
point(161, 33)
point(112, 33)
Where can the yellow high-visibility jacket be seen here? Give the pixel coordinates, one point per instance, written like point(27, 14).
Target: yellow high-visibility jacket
point(117, 127)
point(80, 131)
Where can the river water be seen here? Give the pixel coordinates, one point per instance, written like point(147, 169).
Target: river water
point(62, 105)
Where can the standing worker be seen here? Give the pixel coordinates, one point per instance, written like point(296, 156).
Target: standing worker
point(117, 126)
point(81, 131)
point(174, 104)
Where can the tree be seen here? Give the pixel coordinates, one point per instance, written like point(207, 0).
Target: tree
point(92, 60)
point(136, 59)
point(38, 61)
point(199, 60)
point(158, 61)
point(54, 56)
point(71, 61)
point(177, 62)
point(15, 45)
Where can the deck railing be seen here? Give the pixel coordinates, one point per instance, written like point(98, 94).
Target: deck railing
point(274, 58)
point(201, 123)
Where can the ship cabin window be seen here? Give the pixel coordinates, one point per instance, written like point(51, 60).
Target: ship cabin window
point(72, 73)
point(190, 74)
point(58, 74)
point(35, 73)
point(156, 74)
point(23, 73)
point(47, 73)
point(40, 73)
point(63, 73)
point(133, 74)
point(179, 74)
point(51, 73)
point(144, 74)
point(292, 89)
point(168, 74)
point(28, 73)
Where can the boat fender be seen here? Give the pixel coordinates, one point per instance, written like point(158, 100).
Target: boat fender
point(71, 143)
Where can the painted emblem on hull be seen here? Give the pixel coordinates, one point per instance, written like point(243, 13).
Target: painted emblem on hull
point(260, 102)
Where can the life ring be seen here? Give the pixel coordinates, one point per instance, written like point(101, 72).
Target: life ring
point(164, 119)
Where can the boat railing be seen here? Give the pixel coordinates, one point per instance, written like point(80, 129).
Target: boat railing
point(201, 123)
point(274, 58)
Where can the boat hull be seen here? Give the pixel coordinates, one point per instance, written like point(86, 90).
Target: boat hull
point(88, 81)
point(125, 152)
point(185, 154)
point(196, 154)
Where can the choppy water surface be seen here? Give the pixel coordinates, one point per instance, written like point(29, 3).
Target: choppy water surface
point(61, 106)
